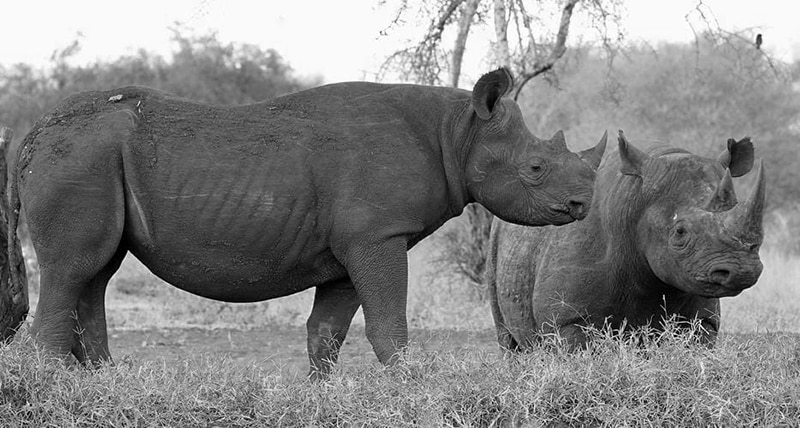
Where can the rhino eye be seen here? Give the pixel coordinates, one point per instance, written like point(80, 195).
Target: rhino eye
point(680, 235)
point(536, 168)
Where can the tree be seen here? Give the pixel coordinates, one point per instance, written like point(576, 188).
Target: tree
point(535, 45)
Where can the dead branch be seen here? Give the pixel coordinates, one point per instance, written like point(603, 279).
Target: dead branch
point(556, 52)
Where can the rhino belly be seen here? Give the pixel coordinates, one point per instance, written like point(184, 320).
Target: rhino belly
point(227, 277)
point(231, 249)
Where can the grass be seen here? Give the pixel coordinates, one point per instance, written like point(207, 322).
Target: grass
point(746, 381)
point(751, 378)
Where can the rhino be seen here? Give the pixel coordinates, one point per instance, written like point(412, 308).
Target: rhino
point(666, 239)
point(326, 188)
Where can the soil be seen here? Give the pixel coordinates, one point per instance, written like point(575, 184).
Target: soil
point(274, 348)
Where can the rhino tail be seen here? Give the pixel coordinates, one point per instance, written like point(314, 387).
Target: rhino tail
point(13, 280)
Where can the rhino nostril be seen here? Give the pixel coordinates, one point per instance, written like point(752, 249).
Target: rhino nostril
point(720, 276)
point(576, 208)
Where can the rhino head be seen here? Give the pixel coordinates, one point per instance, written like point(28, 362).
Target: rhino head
point(694, 233)
point(518, 177)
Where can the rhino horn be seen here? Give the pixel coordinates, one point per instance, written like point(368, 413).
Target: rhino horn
point(594, 155)
point(746, 219)
point(724, 198)
point(558, 139)
point(632, 158)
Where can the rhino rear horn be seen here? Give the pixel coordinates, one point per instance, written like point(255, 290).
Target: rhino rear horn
point(738, 156)
point(491, 87)
point(632, 158)
point(747, 218)
point(724, 198)
point(594, 155)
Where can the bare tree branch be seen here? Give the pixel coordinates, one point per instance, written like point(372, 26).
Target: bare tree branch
point(464, 24)
point(502, 54)
point(715, 33)
point(438, 28)
point(556, 52)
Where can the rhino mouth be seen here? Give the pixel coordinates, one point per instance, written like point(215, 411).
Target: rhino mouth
point(567, 212)
point(711, 289)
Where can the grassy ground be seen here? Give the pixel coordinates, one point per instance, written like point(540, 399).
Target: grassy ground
point(752, 378)
point(746, 381)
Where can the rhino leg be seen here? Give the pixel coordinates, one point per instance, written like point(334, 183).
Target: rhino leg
point(380, 274)
point(76, 218)
point(335, 304)
point(92, 344)
point(70, 315)
point(574, 336)
point(504, 337)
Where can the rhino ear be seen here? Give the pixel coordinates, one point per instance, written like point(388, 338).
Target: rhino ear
point(488, 91)
point(738, 157)
point(632, 158)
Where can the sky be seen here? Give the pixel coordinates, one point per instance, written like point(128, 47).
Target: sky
point(338, 40)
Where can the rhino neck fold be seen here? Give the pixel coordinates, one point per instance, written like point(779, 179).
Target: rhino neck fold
point(456, 134)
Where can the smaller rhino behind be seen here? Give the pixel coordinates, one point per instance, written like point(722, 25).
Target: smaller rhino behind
point(666, 238)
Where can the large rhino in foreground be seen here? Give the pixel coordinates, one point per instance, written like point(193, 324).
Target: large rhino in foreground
point(666, 237)
point(324, 188)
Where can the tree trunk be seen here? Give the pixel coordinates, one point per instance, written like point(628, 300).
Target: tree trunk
point(464, 24)
point(502, 54)
point(13, 294)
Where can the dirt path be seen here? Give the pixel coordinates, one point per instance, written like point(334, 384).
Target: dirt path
point(279, 348)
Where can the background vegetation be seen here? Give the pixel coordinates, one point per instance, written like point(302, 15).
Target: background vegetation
point(695, 96)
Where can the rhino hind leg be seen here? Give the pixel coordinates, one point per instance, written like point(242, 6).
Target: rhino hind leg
point(76, 232)
point(70, 315)
point(91, 346)
point(335, 303)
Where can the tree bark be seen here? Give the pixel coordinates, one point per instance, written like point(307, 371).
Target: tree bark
point(502, 54)
point(13, 294)
point(464, 24)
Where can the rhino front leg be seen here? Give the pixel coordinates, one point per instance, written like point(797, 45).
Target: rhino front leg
point(335, 303)
point(380, 274)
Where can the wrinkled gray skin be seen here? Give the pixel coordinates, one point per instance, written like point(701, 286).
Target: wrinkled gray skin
point(325, 188)
point(666, 236)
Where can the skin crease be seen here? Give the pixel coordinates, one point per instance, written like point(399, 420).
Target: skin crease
point(665, 237)
point(325, 188)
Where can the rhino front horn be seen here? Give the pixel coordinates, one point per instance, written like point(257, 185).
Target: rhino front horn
point(724, 198)
point(594, 155)
point(747, 217)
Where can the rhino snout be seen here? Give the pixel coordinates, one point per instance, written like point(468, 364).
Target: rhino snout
point(736, 277)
